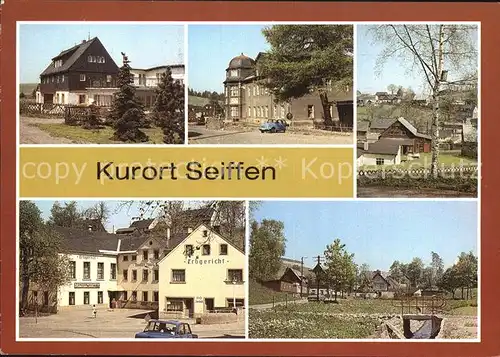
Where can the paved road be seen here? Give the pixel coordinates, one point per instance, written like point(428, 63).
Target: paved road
point(110, 324)
point(29, 134)
point(255, 137)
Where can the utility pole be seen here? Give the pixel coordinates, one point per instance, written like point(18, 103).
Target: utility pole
point(301, 274)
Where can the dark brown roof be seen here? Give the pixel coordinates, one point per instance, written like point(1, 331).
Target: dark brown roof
point(80, 240)
point(142, 224)
point(383, 146)
point(134, 241)
point(241, 61)
point(197, 216)
point(74, 53)
point(381, 123)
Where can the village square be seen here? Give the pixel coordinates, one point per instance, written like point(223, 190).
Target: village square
point(101, 84)
point(130, 269)
point(417, 110)
point(368, 273)
point(252, 95)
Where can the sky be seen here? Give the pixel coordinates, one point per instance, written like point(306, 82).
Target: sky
point(145, 45)
point(377, 232)
point(394, 72)
point(211, 47)
point(120, 216)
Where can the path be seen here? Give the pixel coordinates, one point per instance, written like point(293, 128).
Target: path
point(200, 135)
point(30, 134)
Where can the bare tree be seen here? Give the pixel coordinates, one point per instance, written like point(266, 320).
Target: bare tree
point(392, 88)
point(431, 50)
point(100, 211)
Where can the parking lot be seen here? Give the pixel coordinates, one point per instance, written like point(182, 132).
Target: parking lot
point(118, 323)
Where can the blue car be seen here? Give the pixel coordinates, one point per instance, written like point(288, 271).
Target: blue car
point(166, 329)
point(273, 126)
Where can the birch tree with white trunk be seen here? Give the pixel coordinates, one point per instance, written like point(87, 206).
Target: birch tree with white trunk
point(431, 51)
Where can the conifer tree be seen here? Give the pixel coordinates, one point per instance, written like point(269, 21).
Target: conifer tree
point(127, 114)
point(168, 109)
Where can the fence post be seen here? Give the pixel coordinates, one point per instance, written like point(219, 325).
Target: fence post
point(286, 300)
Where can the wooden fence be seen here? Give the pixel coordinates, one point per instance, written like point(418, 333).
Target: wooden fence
point(75, 115)
point(398, 173)
point(39, 109)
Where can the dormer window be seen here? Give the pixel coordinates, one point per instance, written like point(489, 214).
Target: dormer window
point(57, 63)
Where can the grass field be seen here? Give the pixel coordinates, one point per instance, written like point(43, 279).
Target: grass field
point(261, 295)
point(101, 136)
point(269, 324)
point(27, 88)
point(350, 318)
point(445, 159)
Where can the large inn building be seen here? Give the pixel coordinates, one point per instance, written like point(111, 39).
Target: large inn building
point(182, 273)
point(86, 73)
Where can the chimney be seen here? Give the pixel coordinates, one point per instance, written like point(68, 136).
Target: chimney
point(168, 233)
point(365, 145)
point(83, 41)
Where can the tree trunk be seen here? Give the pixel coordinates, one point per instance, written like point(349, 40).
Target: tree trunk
point(435, 134)
point(25, 281)
point(335, 295)
point(462, 292)
point(326, 107)
point(435, 109)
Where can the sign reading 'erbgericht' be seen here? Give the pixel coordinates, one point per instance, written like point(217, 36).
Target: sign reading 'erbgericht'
point(191, 171)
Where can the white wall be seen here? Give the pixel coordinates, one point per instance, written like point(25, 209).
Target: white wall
point(371, 159)
point(205, 275)
point(104, 285)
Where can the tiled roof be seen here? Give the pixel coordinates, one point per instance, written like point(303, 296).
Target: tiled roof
point(381, 123)
point(383, 146)
point(142, 224)
point(80, 240)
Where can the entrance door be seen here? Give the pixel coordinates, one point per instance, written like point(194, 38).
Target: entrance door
point(209, 304)
point(346, 114)
point(189, 307)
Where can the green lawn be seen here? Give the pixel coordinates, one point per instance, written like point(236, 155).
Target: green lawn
point(102, 136)
point(446, 159)
point(282, 324)
point(261, 295)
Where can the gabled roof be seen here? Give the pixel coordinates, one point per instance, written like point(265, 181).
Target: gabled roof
point(142, 224)
point(383, 146)
point(177, 239)
point(381, 123)
point(74, 53)
point(134, 241)
point(80, 240)
point(412, 129)
point(158, 67)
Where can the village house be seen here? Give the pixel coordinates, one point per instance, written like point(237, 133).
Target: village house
point(92, 268)
point(203, 272)
point(247, 100)
point(183, 270)
point(383, 284)
point(86, 74)
point(74, 71)
point(381, 152)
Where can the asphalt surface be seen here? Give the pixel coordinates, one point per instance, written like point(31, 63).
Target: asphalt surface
point(200, 135)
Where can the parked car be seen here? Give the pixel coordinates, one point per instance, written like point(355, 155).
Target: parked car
point(166, 329)
point(273, 126)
